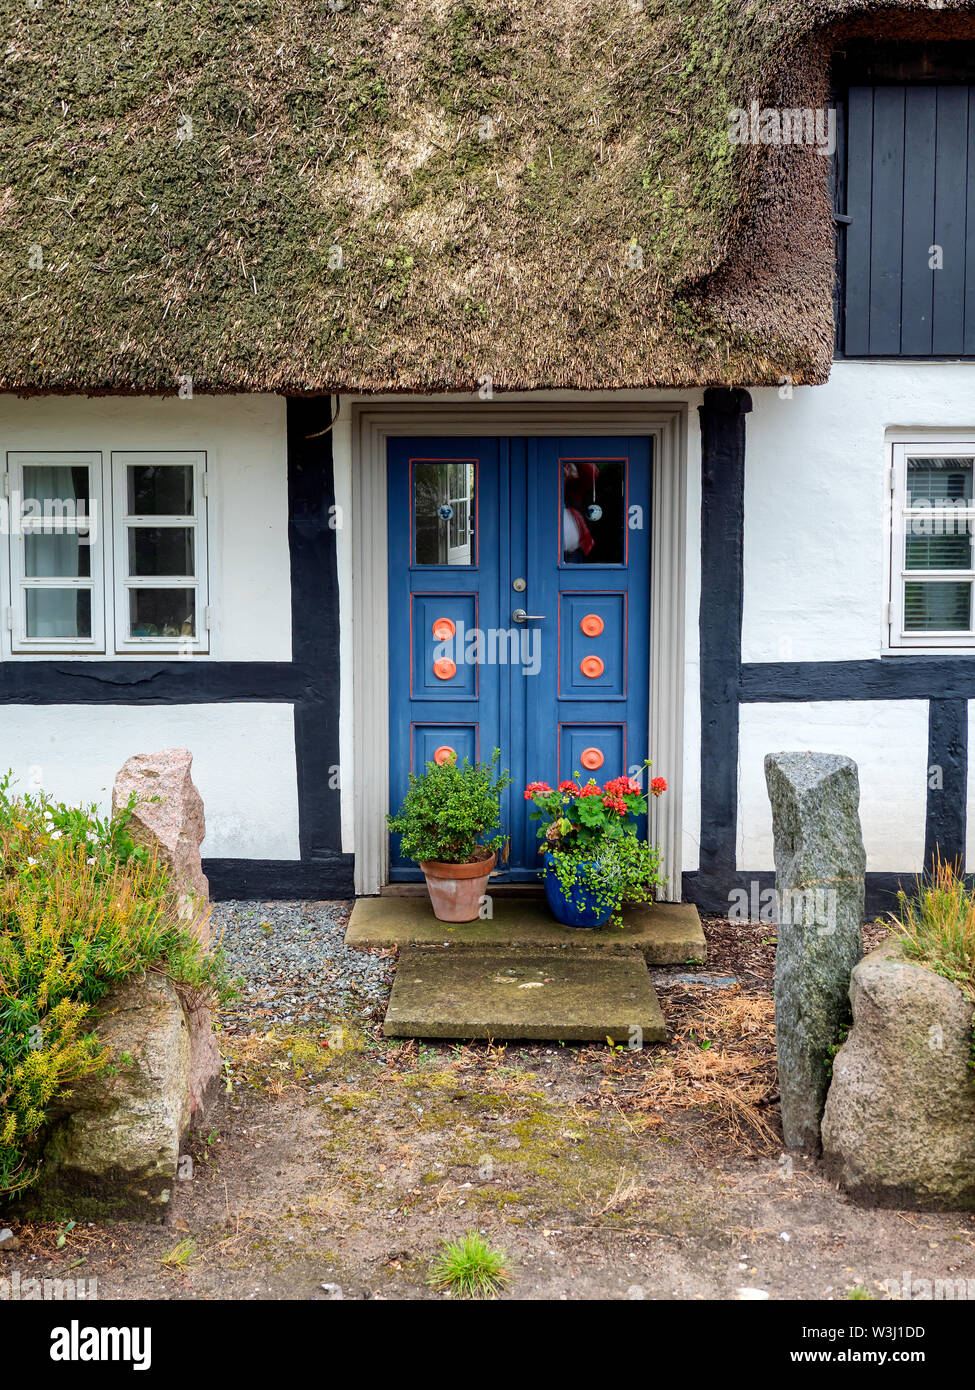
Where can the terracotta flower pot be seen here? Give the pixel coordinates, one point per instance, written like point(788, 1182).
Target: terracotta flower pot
point(456, 890)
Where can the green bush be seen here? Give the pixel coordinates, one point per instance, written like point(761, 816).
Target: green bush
point(81, 909)
point(450, 809)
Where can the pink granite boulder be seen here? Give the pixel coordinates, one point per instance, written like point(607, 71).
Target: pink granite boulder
point(168, 820)
point(168, 817)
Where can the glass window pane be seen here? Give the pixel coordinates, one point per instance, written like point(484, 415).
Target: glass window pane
point(937, 607)
point(593, 511)
point(56, 557)
point(61, 490)
point(161, 550)
point(937, 481)
point(160, 489)
point(938, 542)
point(444, 513)
point(162, 612)
point(58, 613)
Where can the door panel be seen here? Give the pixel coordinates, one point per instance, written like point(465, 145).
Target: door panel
point(555, 671)
point(589, 500)
point(444, 515)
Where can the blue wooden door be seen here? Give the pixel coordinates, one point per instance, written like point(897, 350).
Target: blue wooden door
point(519, 574)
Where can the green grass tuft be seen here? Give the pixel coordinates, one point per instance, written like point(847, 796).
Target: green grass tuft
point(469, 1267)
point(937, 926)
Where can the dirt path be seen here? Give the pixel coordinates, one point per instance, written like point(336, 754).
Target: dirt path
point(336, 1165)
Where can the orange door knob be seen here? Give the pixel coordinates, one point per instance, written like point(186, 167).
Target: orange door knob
point(592, 625)
point(591, 667)
point(591, 758)
point(444, 668)
point(443, 629)
point(444, 754)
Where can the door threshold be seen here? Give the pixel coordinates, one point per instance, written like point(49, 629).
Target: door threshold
point(500, 890)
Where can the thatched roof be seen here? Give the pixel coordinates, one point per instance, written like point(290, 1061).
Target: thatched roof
point(484, 166)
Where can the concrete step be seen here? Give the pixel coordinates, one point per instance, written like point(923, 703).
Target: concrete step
point(577, 996)
point(665, 933)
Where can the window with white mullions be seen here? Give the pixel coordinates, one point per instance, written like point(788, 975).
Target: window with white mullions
point(56, 576)
point(160, 543)
point(932, 567)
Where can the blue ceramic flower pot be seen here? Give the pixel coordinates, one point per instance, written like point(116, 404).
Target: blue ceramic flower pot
point(578, 907)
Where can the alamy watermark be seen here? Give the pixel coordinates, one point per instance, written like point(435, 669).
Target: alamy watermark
point(50, 516)
point(779, 125)
point(16, 1289)
point(493, 646)
point(813, 908)
point(907, 1288)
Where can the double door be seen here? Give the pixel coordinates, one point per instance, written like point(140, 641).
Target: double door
point(519, 603)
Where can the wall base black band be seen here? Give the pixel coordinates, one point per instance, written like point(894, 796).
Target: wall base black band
point(712, 893)
point(315, 879)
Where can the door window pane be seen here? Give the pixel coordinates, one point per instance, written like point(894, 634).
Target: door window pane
point(58, 613)
point(160, 550)
point(594, 511)
point(163, 489)
point(937, 607)
point(162, 612)
point(444, 513)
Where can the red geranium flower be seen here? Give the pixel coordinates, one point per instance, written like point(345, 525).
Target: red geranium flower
point(658, 786)
point(615, 803)
point(623, 786)
point(590, 789)
point(542, 787)
point(569, 787)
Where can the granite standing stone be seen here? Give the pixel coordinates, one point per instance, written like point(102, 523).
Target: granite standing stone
point(899, 1127)
point(819, 867)
point(168, 815)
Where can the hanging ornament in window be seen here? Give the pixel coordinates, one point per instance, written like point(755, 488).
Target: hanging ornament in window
point(445, 511)
point(594, 511)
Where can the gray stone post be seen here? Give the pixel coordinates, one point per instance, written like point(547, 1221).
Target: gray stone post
point(819, 867)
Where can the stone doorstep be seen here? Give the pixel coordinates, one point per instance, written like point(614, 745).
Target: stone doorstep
point(582, 996)
point(665, 933)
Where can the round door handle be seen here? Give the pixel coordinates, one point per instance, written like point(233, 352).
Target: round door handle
point(520, 616)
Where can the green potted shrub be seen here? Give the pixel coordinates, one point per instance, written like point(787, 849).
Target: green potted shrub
point(594, 862)
point(445, 824)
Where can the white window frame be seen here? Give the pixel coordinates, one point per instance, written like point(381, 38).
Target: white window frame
point(18, 527)
point(123, 522)
point(897, 641)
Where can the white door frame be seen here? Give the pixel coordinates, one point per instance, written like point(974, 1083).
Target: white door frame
point(666, 424)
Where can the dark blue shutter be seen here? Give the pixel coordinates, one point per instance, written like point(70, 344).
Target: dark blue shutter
point(910, 183)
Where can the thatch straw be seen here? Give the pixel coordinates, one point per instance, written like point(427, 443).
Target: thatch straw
point(179, 181)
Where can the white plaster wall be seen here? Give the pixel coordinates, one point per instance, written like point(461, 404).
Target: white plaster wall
point(815, 530)
point(246, 445)
point(887, 739)
point(243, 763)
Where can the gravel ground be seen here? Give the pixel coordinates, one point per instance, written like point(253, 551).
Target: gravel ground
point(295, 966)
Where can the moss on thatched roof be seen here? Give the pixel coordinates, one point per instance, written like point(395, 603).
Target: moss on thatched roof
point(414, 194)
